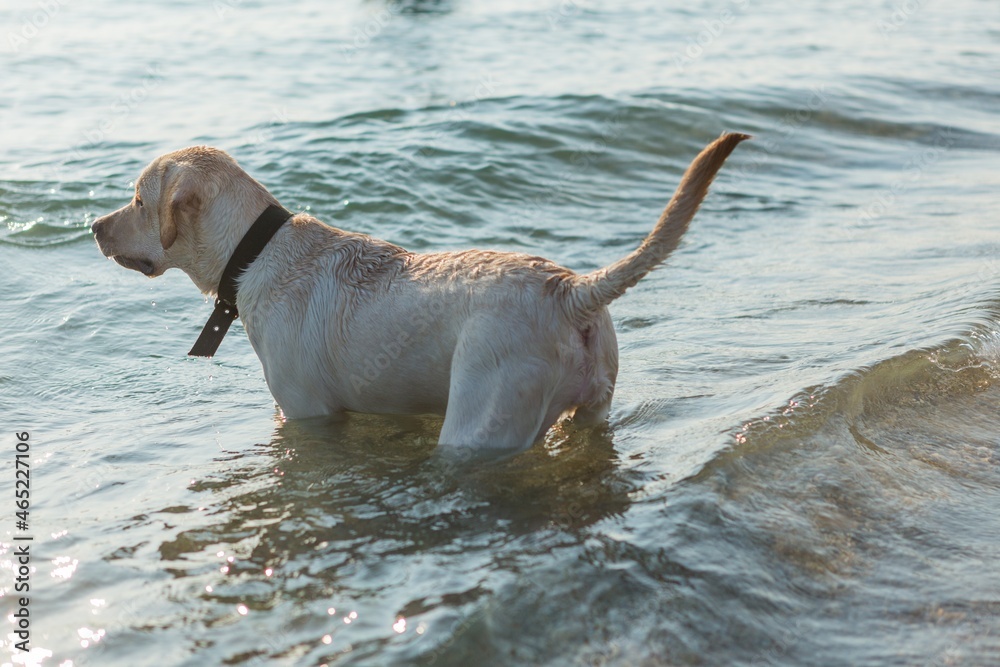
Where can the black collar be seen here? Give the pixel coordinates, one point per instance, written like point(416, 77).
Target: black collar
point(246, 252)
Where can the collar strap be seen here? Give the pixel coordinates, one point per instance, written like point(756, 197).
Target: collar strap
point(251, 245)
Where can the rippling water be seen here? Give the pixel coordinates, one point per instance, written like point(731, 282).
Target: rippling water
point(801, 465)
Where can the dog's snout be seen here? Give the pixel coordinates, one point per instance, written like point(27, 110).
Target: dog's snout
point(99, 228)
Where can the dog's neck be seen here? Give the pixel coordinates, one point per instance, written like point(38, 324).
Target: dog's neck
point(246, 253)
point(214, 244)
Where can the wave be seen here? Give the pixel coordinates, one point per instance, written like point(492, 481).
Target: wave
point(36, 234)
point(937, 405)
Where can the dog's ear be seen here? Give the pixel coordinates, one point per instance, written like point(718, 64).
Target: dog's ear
point(181, 205)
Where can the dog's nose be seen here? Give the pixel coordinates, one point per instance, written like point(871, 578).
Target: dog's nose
point(98, 224)
point(99, 228)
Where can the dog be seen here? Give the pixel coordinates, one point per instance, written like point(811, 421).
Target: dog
point(502, 344)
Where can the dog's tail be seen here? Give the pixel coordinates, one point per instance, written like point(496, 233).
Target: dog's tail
point(590, 292)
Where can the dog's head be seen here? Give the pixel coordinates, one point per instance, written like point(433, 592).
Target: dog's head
point(190, 209)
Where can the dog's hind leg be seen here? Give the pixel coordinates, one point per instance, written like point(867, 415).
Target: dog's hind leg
point(496, 410)
point(499, 401)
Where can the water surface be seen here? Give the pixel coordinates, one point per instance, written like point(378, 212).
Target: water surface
point(800, 467)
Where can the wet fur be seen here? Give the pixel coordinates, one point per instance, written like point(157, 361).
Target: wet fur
point(502, 344)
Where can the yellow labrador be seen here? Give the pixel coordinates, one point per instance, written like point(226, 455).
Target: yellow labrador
point(502, 344)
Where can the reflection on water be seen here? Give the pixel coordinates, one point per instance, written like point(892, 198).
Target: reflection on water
point(800, 467)
point(323, 528)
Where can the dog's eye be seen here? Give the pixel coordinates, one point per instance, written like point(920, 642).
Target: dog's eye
point(138, 201)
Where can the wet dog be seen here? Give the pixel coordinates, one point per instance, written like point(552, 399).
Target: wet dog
point(502, 344)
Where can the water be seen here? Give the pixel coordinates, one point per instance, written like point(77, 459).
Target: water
point(800, 467)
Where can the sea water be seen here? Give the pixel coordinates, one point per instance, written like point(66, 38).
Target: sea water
point(801, 462)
